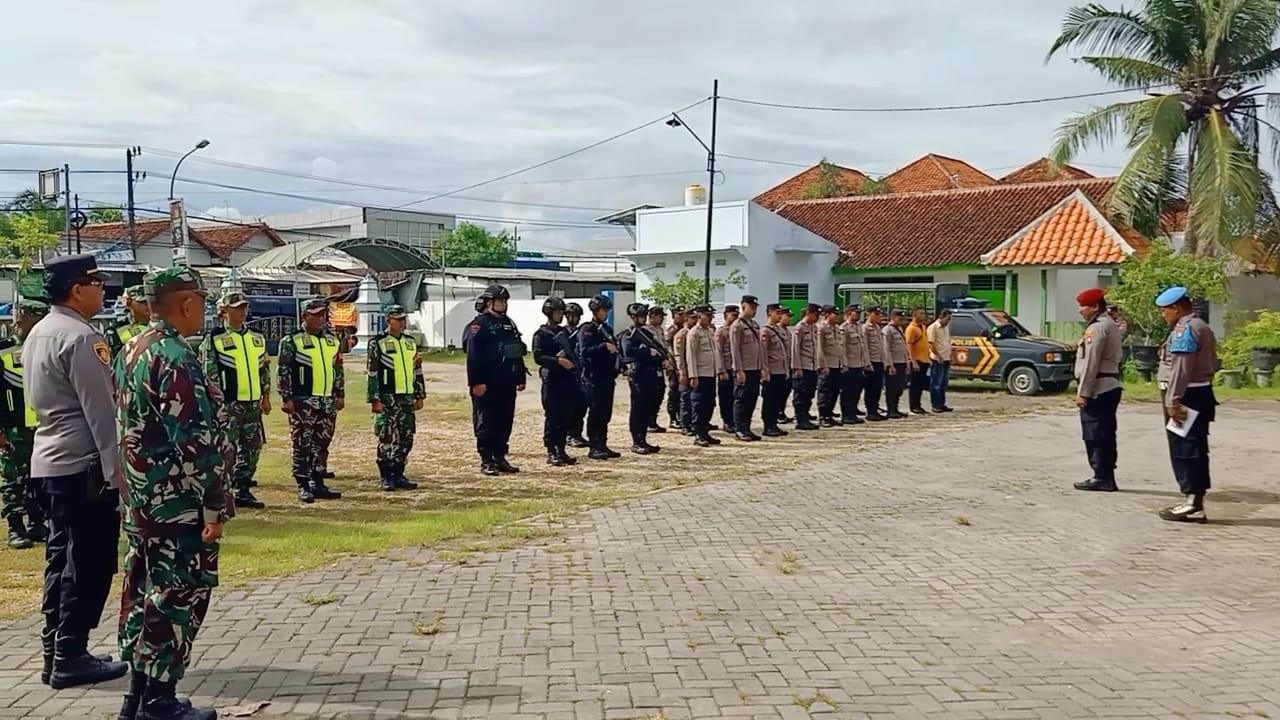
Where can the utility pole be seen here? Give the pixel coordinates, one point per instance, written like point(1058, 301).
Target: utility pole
point(711, 189)
point(66, 204)
point(129, 154)
point(77, 228)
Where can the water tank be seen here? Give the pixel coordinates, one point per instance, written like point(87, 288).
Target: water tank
point(695, 195)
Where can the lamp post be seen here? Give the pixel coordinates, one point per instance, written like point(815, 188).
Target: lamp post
point(174, 178)
point(676, 121)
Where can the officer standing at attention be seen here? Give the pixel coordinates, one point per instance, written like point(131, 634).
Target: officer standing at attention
point(578, 413)
point(702, 363)
point(784, 322)
point(874, 380)
point(601, 364)
point(495, 374)
point(724, 386)
point(557, 362)
point(396, 391)
point(679, 346)
point(313, 390)
point(857, 362)
point(658, 316)
point(830, 356)
point(1187, 362)
point(1098, 358)
point(236, 360)
point(75, 459)
point(751, 367)
point(777, 352)
point(806, 365)
point(673, 372)
point(137, 315)
point(175, 450)
point(644, 357)
point(21, 500)
point(898, 362)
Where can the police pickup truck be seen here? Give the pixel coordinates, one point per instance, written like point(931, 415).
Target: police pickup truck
point(986, 343)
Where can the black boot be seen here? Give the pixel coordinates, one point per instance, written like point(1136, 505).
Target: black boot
point(37, 530)
point(384, 477)
point(565, 457)
point(553, 457)
point(322, 491)
point(74, 666)
point(47, 636)
point(399, 480)
point(489, 465)
point(18, 539)
point(504, 465)
point(161, 703)
point(304, 491)
point(246, 499)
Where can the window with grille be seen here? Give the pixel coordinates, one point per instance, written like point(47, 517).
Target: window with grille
point(990, 283)
point(721, 261)
point(689, 263)
point(793, 291)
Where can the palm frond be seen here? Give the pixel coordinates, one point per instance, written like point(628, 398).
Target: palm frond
point(1155, 129)
point(1238, 32)
point(1131, 72)
point(1175, 25)
point(1260, 67)
point(1095, 28)
point(1099, 125)
point(1224, 185)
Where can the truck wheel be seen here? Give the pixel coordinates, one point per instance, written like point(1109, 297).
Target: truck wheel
point(1022, 380)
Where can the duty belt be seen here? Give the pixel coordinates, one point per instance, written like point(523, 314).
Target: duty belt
point(1164, 385)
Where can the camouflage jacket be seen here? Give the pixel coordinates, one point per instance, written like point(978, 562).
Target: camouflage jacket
point(171, 425)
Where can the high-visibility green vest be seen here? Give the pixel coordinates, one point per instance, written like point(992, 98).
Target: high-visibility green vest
point(397, 355)
point(313, 364)
point(240, 356)
point(14, 407)
point(127, 332)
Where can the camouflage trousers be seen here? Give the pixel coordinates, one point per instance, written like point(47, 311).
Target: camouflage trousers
point(395, 427)
point(247, 436)
point(16, 491)
point(167, 585)
point(311, 429)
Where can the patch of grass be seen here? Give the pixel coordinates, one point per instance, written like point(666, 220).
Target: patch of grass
point(318, 600)
point(962, 520)
point(423, 627)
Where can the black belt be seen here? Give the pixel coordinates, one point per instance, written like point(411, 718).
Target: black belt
point(1110, 375)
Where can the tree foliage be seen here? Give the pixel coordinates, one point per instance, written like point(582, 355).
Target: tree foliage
point(686, 290)
point(831, 183)
point(1202, 139)
point(29, 225)
point(470, 245)
point(1142, 279)
point(105, 215)
point(875, 186)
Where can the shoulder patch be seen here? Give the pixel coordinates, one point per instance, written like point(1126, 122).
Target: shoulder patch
point(474, 327)
point(1183, 340)
point(103, 352)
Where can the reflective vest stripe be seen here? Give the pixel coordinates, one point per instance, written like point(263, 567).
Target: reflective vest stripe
point(244, 359)
point(13, 394)
point(398, 354)
point(127, 332)
point(318, 356)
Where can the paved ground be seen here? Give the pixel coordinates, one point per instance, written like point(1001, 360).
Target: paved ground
point(955, 578)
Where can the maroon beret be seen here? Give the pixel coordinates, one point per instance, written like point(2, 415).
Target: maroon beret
point(1092, 296)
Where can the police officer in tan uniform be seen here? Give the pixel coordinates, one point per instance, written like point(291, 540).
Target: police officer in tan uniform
point(775, 344)
point(1097, 371)
point(724, 392)
point(673, 373)
point(806, 367)
point(897, 362)
point(702, 367)
point(1187, 361)
point(856, 363)
point(746, 350)
point(679, 343)
point(873, 383)
point(831, 357)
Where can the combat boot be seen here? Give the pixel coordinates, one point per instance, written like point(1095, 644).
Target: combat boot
point(384, 477)
point(74, 666)
point(489, 465)
point(553, 457)
point(565, 457)
point(322, 491)
point(18, 539)
point(162, 703)
point(245, 499)
point(37, 530)
point(304, 492)
point(504, 465)
point(399, 480)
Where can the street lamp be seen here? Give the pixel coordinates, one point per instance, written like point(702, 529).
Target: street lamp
point(174, 178)
point(676, 121)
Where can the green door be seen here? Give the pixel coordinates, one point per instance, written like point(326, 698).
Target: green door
point(793, 296)
point(994, 289)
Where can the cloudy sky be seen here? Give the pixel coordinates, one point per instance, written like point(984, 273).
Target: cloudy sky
point(431, 95)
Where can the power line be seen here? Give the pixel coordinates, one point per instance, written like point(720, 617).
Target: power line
point(937, 108)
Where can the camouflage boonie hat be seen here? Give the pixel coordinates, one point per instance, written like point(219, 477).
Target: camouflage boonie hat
point(135, 293)
point(33, 307)
point(178, 278)
point(317, 305)
point(232, 299)
point(394, 311)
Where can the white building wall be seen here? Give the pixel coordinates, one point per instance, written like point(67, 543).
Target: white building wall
point(526, 314)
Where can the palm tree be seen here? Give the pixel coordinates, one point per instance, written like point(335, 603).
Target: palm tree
point(1199, 136)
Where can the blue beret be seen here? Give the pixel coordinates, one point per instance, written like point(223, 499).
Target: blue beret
point(1172, 296)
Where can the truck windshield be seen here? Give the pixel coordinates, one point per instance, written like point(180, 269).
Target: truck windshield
point(1007, 325)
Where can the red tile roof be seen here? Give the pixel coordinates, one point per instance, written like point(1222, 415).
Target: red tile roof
point(219, 240)
point(937, 172)
point(1039, 171)
point(794, 188)
point(932, 228)
point(1072, 232)
point(147, 230)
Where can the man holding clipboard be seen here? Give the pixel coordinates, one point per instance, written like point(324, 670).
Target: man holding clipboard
point(1187, 363)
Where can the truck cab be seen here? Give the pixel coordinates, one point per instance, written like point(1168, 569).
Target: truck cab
point(986, 344)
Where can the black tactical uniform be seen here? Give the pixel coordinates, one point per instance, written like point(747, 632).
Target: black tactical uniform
point(598, 349)
point(644, 357)
point(557, 361)
point(495, 373)
point(578, 412)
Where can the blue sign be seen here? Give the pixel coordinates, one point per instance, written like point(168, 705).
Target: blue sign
point(120, 253)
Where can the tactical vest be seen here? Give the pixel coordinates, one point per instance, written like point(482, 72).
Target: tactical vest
point(127, 332)
point(395, 374)
point(240, 358)
point(313, 364)
point(14, 410)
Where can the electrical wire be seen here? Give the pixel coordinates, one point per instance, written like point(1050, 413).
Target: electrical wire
point(937, 108)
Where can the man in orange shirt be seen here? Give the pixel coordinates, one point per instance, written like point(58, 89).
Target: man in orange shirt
point(918, 351)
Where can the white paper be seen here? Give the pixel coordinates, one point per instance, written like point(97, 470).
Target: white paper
point(1181, 429)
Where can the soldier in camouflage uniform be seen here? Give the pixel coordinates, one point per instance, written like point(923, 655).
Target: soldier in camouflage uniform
point(17, 433)
point(175, 454)
point(235, 359)
point(396, 391)
point(137, 315)
point(312, 391)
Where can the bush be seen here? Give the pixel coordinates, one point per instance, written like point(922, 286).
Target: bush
point(1263, 333)
point(1143, 278)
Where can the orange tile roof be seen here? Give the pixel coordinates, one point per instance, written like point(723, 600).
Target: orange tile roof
point(937, 172)
point(219, 240)
point(1039, 171)
point(1072, 232)
point(932, 228)
point(794, 187)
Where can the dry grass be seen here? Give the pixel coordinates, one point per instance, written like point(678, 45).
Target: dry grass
point(454, 501)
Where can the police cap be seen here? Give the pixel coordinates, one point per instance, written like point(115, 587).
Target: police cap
point(552, 304)
point(637, 309)
point(702, 310)
point(830, 309)
point(600, 302)
point(772, 306)
point(657, 311)
point(394, 312)
point(179, 278)
point(1171, 297)
point(751, 300)
point(875, 310)
point(730, 309)
point(678, 310)
point(852, 308)
point(64, 272)
point(898, 313)
point(813, 308)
